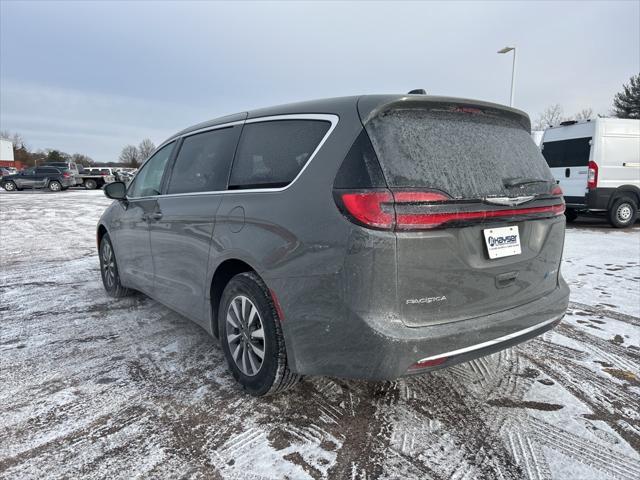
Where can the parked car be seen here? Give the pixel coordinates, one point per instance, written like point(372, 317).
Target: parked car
point(4, 171)
point(39, 177)
point(70, 167)
point(597, 164)
point(363, 237)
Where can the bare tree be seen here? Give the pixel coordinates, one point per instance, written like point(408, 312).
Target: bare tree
point(145, 149)
point(584, 114)
point(15, 138)
point(82, 159)
point(130, 156)
point(552, 115)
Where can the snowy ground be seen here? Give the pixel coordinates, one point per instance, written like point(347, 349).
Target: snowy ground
point(100, 388)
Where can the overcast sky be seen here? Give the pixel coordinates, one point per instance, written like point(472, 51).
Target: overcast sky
point(91, 77)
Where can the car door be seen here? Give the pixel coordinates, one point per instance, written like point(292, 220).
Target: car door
point(182, 227)
point(42, 176)
point(26, 178)
point(132, 245)
point(569, 163)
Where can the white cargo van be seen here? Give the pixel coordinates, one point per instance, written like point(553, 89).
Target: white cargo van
point(597, 164)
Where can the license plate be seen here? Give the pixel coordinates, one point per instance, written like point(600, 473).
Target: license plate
point(502, 242)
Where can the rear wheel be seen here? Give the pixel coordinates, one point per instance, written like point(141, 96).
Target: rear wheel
point(90, 184)
point(571, 215)
point(9, 186)
point(109, 270)
point(251, 337)
point(55, 186)
point(623, 212)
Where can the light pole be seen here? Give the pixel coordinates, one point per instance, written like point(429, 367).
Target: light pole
point(513, 70)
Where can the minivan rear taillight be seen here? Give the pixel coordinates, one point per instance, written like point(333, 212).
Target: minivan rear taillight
point(384, 209)
point(592, 175)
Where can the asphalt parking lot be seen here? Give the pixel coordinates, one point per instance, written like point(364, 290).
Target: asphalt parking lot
point(96, 387)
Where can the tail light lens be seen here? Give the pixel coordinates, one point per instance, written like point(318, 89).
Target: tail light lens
point(66, 174)
point(384, 209)
point(372, 209)
point(592, 175)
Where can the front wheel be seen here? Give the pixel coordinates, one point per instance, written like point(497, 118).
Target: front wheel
point(251, 337)
point(55, 186)
point(9, 186)
point(623, 212)
point(109, 270)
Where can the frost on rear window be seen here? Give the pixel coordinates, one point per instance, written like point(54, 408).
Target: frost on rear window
point(465, 155)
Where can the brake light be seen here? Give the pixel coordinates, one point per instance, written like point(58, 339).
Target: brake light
point(413, 210)
point(66, 174)
point(592, 175)
point(373, 209)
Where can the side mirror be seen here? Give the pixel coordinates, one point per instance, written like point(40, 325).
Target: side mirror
point(115, 190)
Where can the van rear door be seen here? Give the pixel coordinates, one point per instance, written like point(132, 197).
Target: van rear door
point(478, 216)
point(568, 160)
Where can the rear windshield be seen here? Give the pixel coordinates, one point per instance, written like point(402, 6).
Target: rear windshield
point(567, 153)
point(463, 154)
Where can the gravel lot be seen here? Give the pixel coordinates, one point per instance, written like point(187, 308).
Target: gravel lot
point(119, 389)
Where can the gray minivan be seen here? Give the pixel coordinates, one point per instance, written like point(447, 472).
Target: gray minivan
point(361, 237)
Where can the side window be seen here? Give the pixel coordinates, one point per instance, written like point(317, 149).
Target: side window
point(148, 181)
point(203, 162)
point(46, 170)
point(272, 153)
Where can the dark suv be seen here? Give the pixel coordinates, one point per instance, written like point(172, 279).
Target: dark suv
point(39, 177)
point(363, 237)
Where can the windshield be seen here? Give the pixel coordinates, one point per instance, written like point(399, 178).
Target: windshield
point(467, 155)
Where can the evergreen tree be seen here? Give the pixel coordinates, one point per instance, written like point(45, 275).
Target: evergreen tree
point(626, 104)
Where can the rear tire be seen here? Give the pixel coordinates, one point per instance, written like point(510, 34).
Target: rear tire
point(9, 186)
point(570, 215)
point(245, 335)
point(109, 270)
point(90, 184)
point(55, 186)
point(623, 212)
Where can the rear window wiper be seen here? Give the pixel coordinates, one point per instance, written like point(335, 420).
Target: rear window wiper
point(518, 181)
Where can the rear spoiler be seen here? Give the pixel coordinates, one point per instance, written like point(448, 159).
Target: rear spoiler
point(371, 106)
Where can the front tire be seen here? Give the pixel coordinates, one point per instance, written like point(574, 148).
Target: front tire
point(623, 212)
point(55, 186)
point(251, 337)
point(109, 270)
point(9, 186)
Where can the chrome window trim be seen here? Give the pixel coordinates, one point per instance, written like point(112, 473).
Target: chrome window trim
point(333, 119)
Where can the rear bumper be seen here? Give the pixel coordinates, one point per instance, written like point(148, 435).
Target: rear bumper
point(384, 349)
point(598, 198)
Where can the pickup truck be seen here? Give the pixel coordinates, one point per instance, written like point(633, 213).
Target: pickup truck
point(92, 178)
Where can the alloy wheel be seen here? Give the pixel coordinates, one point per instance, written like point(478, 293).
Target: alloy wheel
point(108, 265)
point(245, 335)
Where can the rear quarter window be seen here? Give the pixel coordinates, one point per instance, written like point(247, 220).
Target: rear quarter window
point(272, 153)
